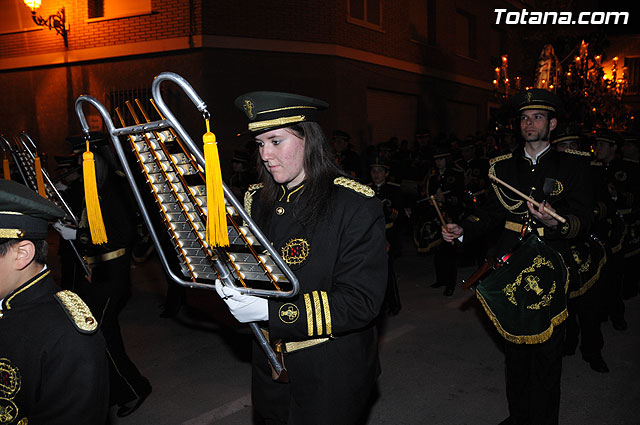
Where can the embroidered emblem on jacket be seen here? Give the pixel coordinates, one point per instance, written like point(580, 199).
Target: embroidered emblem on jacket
point(10, 384)
point(288, 313)
point(295, 251)
point(620, 175)
point(557, 188)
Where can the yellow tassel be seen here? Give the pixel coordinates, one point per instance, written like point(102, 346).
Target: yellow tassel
point(39, 179)
point(5, 167)
point(94, 213)
point(217, 234)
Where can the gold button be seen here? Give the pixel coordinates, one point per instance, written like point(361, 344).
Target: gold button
point(279, 210)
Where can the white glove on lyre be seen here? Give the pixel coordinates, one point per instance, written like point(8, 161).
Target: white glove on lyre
point(68, 233)
point(245, 308)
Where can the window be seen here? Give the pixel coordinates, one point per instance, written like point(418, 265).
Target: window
point(465, 34)
point(422, 21)
point(117, 8)
point(497, 45)
point(365, 12)
point(633, 75)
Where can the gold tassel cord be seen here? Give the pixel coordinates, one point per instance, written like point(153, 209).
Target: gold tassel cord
point(217, 234)
point(5, 167)
point(94, 213)
point(39, 179)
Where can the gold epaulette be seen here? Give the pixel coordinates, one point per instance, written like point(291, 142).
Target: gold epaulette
point(577, 152)
point(500, 158)
point(248, 196)
point(355, 186)
point(77, 311)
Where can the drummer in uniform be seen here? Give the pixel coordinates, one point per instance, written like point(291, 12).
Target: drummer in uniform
point(623, 184)
point(446, 185)
point(529, 308)
point(53, 360)
point(588, 261)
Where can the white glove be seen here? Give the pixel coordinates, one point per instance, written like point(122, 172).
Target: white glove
point(245, 308)
point(68, 233)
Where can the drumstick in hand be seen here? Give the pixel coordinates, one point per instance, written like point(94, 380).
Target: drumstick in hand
point(527, 198)
point(435, 204)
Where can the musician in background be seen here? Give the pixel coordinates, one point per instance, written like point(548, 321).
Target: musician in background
point(329, 229)
point(588, 262)
point(390, 194)
point(533, 356)
point(53, 362)
point(446, 184)
point(623, 182)
point(109, 288)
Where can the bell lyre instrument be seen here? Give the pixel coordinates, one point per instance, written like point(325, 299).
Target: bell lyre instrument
point(172, 167)
point(25, 153)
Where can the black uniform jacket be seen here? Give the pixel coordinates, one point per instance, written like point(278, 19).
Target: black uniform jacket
point(340, 262)
point(452, 183)
point(571, 197)
point(53, 362)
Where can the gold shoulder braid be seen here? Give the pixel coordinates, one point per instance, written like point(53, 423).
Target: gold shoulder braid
point(355, 186)
point(500, 158)
point(77, 311)
point(248, 196)
point(499, 192)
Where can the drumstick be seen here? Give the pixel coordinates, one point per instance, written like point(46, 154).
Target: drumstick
point(435, 204)
point(523, 196)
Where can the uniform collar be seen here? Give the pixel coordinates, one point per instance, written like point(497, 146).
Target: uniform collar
point(26, 292)
point(535, 160)
point(290, 194)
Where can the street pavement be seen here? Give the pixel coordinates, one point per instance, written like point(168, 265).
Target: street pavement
point(441, 360)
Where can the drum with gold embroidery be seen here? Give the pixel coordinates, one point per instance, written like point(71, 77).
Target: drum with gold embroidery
point(427, 235)
point(526, 297)
point(631, 240)
point(588, 257)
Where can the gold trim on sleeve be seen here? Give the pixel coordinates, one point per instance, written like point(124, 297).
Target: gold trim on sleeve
point(307, 304)
point(327, 311)
point(317, 308)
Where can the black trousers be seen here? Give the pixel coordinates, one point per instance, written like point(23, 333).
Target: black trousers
point(533, 380)
point(444, 260)
point(330, 383)
point(583, 324)
point(106, 295)
point(611, 280)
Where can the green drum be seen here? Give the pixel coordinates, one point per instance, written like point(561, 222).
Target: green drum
point(526, 297)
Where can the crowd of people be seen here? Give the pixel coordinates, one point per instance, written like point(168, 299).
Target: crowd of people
point(552, 209)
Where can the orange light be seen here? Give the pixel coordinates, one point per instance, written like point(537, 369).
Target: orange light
point(504, 58)
point(593, 110)
point(577, 58)
point(33, 4)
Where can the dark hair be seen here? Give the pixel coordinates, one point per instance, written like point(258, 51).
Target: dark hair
point(41, 250)
point(320, 170)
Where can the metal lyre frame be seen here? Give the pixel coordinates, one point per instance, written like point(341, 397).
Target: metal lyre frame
point(6, 147)
point(153, 134)
point(24, 157)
